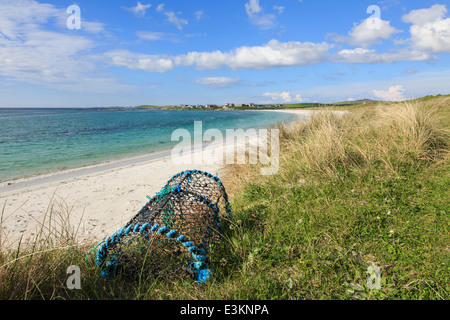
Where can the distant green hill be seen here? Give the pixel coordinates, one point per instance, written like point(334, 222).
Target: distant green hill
point(307, 105)
point(353, 102)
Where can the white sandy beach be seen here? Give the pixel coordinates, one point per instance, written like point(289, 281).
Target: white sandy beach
point(100, 200)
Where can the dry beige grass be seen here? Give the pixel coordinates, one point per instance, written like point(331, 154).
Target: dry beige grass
point(28, 267)
point(326, 146)
point(395, 134)
point(330, 145)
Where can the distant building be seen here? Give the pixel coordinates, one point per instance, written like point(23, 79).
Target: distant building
point(229, 105)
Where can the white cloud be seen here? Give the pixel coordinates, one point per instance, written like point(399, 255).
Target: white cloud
point(273, 54)
point(410, 71)
point(16, 16)
point(369, 32)
point(134, 61)
point(424, 16)
point(387, 4)
point(264, 22)
point(140, 9)
point(416, 85)
point(279, 9)
point(175, 20)
point(434, 37)
point(92, 27)
point(256, 16)
point(199, 14)
point(371, 56)
point(42, 56)
point(157, 36)
point(160, 7)
point(30, 53)
point(394, 93)
point(193, 35)
point(298, 98)
point(284, 96)
point(218, 82)
point(252, 7)
point(429, 30)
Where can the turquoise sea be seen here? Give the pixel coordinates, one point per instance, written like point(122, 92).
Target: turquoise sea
point(36, 141)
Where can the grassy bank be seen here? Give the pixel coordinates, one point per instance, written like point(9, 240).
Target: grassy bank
point(368, 188)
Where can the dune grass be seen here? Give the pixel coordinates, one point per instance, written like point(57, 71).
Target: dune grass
point(367, 188)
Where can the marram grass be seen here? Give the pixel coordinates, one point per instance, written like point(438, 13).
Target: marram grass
point(369, 188)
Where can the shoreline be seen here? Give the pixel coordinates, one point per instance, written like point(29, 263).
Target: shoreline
point(30, 180)
point(97, 199)
point(13, 185)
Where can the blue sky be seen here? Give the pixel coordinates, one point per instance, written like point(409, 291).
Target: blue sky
point(129, 53)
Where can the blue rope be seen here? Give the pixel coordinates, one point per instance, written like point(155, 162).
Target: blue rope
point(198, 264)
point(109, 268)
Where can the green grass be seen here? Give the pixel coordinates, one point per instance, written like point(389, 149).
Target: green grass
point(319, 238)
point(371, 187)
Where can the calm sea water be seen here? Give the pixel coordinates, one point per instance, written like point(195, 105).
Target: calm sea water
point(35, 141)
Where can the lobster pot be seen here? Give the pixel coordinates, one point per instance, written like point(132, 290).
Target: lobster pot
point(172, 234)
point(206, 185)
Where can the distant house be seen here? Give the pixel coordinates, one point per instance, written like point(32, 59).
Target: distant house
point(251, 104)
point(211, 106)
point(229, 105)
